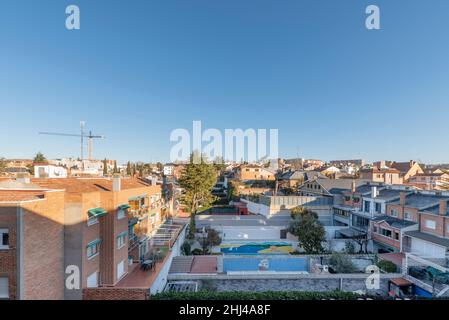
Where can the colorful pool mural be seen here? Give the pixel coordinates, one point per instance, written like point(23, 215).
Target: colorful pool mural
point(285, 264)
point(257, 248)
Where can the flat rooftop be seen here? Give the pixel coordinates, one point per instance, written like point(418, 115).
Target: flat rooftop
point(20, 195)
point(419, 201)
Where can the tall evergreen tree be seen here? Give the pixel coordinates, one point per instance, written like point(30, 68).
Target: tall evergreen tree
point(115, 167)
point(197, 180)
point(105, 167)
point(39, 158)
point(128, 169)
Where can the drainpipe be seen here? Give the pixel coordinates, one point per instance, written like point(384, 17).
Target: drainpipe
point(19, 253)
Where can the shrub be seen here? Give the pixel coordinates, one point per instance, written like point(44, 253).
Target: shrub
point(267, 295)
point(197, 252)
point(349, 247)
point(387, 266)
point(186, 248)
point(341, 263)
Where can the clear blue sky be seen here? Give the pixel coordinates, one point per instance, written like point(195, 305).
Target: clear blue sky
point(138, 69)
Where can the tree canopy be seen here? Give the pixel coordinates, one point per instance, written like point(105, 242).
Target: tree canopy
point(39, 158)
point(308, 229)
point(197, 180)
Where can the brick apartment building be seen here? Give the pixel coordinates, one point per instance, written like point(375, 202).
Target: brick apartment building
point(100, 226)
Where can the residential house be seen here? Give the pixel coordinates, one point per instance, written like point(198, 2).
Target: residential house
point(381, 175)
point(255, 172)
point(431, 181)
point(407, 169)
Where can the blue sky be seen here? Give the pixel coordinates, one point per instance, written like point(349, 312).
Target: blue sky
point(139, 69)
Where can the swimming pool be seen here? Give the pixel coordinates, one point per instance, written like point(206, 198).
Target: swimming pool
point(256, 248)
point(285, 264)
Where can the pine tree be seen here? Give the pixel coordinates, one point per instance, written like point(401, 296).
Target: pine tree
point(128, 169)
point(105, 167)
point(197, 181)
point(115, 167)
point(39, 158)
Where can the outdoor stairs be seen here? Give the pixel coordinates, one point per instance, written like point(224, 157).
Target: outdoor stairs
point(181, 264)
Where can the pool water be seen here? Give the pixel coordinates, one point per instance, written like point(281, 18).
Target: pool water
point(257, 248)
point(287, 264)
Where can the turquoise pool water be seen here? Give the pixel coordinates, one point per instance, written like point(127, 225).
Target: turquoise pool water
point(256, 248)
point(265, 264)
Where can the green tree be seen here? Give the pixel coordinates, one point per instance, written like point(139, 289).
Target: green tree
point(186, 248)
point(2, 165)
point(39, 158)
point(128, 169)
point(212, 239)
point(115, 167)
point(197, 180)
point(105, 167)
point(308, 229)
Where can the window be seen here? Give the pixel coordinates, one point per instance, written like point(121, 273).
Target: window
point(375, 229)
point(4, 239)
point(367, 206)
point(120, 214)
point(430, 224)
point(92, 220)
point(92, 280)
point(385, 232)
point(120, 269)
point(378, 207)
point(4, 288)
point(93, 248)
point(121, 240)
point(408, 216)
point(396, 236)
point(394, 212)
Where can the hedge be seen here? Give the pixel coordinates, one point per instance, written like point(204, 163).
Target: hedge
point(266, 295)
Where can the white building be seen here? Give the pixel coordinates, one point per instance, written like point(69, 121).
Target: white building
point(49, 171)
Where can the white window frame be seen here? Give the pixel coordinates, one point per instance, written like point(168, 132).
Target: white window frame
point(4, 284)
point(394, 213)
point(92, 221)
point(121, 241)
point(97, 246)
point(120, 275)
point(410, 218)
point(120, 214)
point(432, 222)
point(2, 232)
point(96, 274)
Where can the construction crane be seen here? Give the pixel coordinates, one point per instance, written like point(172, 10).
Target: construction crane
point(82, 135)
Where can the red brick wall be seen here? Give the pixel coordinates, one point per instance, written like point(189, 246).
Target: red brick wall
point(8, 264)
point(43, 248)
point(115, 294)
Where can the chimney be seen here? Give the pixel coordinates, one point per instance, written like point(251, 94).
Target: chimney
point(374, 192)
point(116, 183)
point(443, 207)
point(402, 199)
point(353, 186)
point(23, 177)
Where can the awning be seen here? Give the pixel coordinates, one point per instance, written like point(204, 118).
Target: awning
point(97, 212)
point(124, 206)
point(93, 243)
